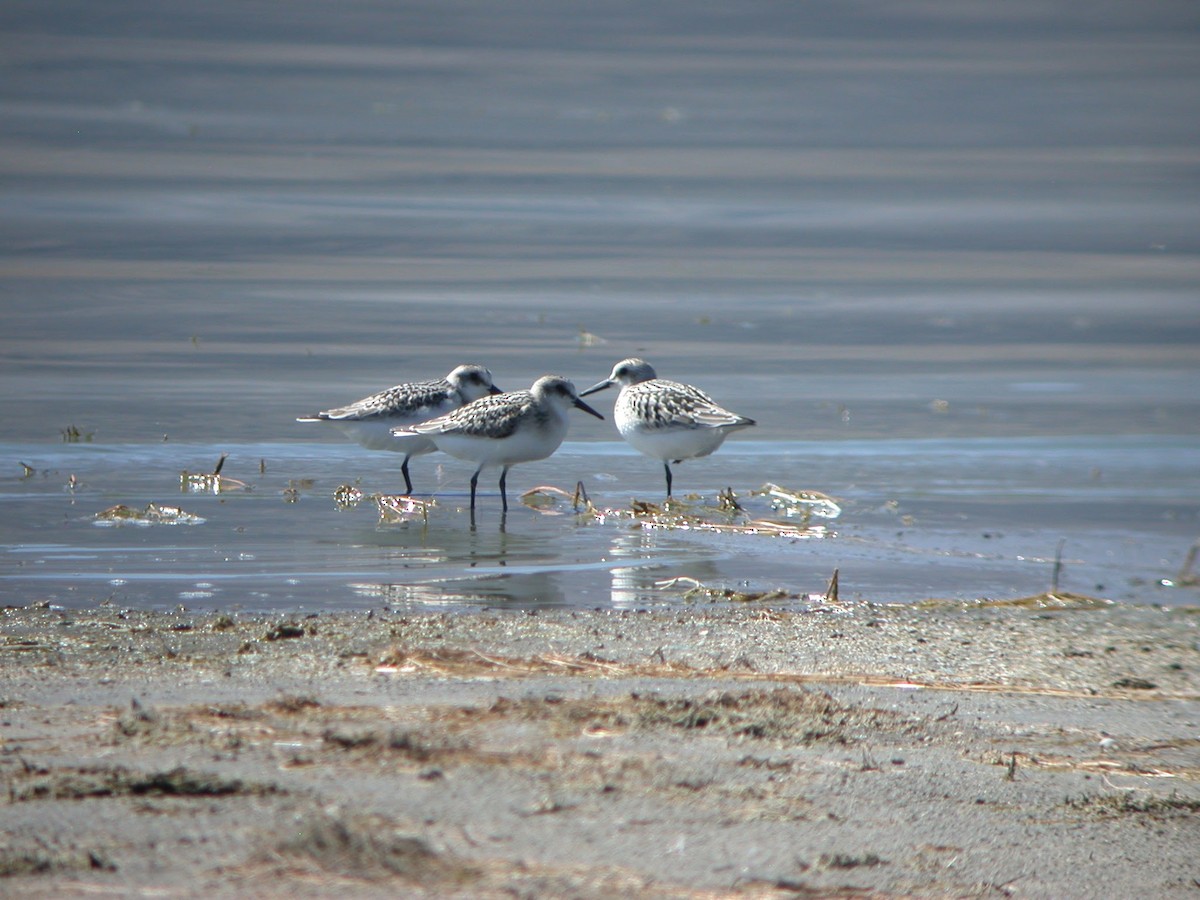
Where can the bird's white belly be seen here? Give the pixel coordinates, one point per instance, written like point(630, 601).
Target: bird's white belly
point(672, 443)
point(523, 445)
point(376, 434)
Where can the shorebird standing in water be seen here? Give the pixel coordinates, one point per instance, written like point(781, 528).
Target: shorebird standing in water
point(517, 427)
point(371, 420)
point(666, 420)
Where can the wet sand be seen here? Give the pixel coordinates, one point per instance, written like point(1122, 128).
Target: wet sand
point(850, 750)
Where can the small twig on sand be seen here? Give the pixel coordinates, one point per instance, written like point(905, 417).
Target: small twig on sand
point(1057, 566)
point(581, 496)
point(1185, 572)
point(944, 716)
point(831, 592)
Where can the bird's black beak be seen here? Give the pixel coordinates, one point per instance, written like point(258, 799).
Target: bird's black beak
point(495, 390)
point(587, 409)
point(607, 383)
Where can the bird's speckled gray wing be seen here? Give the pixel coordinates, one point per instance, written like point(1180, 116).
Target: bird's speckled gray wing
point(494, 416)
point(669, 404)
point(404, 401)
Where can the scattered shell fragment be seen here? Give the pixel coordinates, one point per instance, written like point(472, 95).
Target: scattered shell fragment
point(347, 496)
point(1048, 600)
point(799, 503)
point(402, 508)
point(587, 339)
point(1186, 577)
point(723, 514)
point(210, 482)
point(726, 517)
point(699, 590)
point(153, 514)
point(550, 500)
point(73, 435)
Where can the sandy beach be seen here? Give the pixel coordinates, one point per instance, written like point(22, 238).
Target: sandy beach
point(1042, 750)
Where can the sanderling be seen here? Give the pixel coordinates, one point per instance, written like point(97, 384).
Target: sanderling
point(665, 419)
point(507, 429)
point(370, 421)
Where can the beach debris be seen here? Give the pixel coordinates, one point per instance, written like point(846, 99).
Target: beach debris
point(1128, 801)
point(1057, 566)
point(27, 471)
point(549, 500)
point(210, 482)
point(73, 435)
point(727, 517)
point(347, 496)
point(153, 514)
point(361, 847)
point(403, 508)
point(1048, 600)
point(292, 704)
point(1185, 578)
point(799, 503)
point(724, 513)
point(545, 498)
point(699, 590)
point(727, 501)
point(849, 861)
point(587, 339)
point(284, 631)
point(75, 783)
point(291, 493)
point(1134, 684)
point(458, 663)
point(831, 592)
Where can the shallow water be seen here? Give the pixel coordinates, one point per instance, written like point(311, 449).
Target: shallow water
point(946, 257)
point(953, 518)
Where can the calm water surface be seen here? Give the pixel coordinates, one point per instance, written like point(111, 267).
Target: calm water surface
point(946, 256)
point(952, 518)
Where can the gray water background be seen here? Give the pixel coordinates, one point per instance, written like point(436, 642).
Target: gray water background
point(944, 253)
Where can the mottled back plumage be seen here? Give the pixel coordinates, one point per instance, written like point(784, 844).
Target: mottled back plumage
point(370, 421)
point(505, 429)
point(666, 420)
point(659, 404)
point(417, 400)
point(402, 400)
point(488, 417)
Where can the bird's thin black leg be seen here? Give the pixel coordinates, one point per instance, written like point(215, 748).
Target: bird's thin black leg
point(407, 480)
point(667, 467)
point(474, 482)
point(503, 491)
